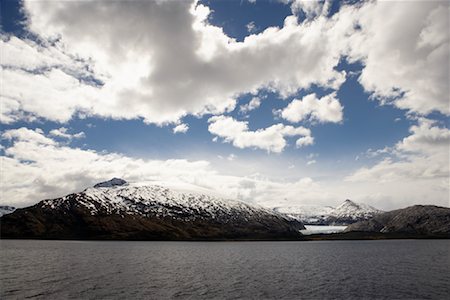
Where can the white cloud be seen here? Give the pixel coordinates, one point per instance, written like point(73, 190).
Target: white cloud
point(254, 103)
point(406, 60)
point(62, 133)
point(27, 55)
point(304, 141)
point(24, 134)
point(415, 170)
point(374, 153)
point(251, 27)
point(325, 109)
point(426, 138)
point(130, 48)
point(181, 128)
point(132, 52)
point(53, 95)
point(423, 155)
point(36, 167)
point(311, 8)
point(415, 75)
point(271, 139)
point(311, 162)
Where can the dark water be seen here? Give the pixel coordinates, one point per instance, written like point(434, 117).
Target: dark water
point(396, 269)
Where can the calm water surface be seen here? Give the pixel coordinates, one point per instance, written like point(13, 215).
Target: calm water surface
point(395, 269)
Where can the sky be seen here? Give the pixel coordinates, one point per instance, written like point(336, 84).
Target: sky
point(276, 103)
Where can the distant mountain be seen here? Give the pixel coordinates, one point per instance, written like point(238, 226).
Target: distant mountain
point(417, 220)
point(308, 214)
point(346, 213)
point(4, 210)
point(117, 210)
point(110, 183)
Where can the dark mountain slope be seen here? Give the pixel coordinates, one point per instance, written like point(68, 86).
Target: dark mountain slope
point(417, 220)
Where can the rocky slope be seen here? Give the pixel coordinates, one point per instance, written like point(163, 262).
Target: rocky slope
point(415, 220)
point(346, 213)
point(118, 210)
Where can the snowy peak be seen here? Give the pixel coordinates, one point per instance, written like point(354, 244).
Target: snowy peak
point(346, 213)
point(357, 210)
point(110, 183)
point(4, 210)
point(349, 204)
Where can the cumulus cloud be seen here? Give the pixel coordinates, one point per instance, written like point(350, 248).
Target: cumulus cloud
point(304, 141)
point(406, 60)
point(254, 103)
point(326, 109)
point(181, 128)
point(426, 137)
point(119, 61)
point(271, 139)
point(415, 74)
point(311, 8)
point(42, 81)
point(130, 51)
point(24, 134)
point(63, 133)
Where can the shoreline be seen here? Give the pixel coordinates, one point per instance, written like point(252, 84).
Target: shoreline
point(343, 236)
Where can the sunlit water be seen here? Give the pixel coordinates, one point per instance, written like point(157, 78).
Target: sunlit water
point(405, 269)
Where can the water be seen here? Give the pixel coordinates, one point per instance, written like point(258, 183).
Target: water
point(405, 269)
point(314, 229)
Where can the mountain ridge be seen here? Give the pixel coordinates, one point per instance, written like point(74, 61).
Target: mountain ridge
point(417, 219)
point(116, 209)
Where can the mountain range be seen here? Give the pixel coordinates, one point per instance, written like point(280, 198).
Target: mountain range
point(116, 209)
point(346, 213)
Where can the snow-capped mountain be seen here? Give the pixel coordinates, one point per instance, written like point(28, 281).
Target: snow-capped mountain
point(116, 209)
point(4, 210)
point(346, 213)
point(352, 211)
